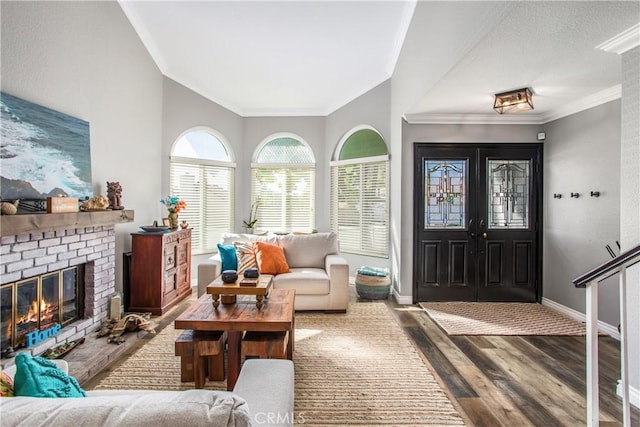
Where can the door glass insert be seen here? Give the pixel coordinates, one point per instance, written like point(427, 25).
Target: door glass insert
point(508, 195)
point(445, 193)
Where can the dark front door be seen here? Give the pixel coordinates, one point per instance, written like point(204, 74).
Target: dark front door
point(477, 214)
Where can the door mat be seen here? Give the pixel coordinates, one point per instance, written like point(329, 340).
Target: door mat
point(500, 318)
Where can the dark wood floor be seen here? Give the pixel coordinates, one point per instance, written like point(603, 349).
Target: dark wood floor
point(516, 380)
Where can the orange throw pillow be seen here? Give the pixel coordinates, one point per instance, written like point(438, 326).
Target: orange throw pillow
point(271, 259)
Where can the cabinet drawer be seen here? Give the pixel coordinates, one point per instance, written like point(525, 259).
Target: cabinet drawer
point(183, 252)
point(170, 255)
point(170, 284)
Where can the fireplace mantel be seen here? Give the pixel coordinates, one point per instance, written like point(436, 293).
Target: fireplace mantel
point(13, 225)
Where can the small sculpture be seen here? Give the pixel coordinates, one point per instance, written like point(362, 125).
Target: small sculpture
point(96, 203)
point(184, 224)
point(114, 193)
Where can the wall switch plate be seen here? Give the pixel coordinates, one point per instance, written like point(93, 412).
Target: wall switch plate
point(542, 136)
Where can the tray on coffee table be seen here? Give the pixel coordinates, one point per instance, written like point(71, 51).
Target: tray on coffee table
point(226, 292)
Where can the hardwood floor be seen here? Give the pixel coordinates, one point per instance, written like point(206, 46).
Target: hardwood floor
point(516, 380)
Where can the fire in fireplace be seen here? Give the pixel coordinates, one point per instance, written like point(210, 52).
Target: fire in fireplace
point(38, 303)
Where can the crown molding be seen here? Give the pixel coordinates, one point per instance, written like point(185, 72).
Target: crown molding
point(626, 40)
point(143, 33)
point(599, 98)
point(473, 119)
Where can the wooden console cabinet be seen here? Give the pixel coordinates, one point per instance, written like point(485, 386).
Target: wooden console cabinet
point(160, 270)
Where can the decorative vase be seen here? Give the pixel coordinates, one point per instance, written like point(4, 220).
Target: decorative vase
point(173, 220)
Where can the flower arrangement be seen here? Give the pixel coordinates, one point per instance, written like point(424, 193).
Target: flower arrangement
point(252, 216)
point(174, 204)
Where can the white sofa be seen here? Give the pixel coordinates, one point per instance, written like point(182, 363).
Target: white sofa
point(262, 396)
point(319, 275)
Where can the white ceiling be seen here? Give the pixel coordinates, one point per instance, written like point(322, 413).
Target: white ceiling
point(293, 58)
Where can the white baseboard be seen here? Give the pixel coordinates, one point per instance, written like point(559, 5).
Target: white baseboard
point(605, 328)
point(634, 394)
point(402, 299)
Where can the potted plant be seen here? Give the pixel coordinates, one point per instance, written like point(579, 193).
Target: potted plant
point(251, 222)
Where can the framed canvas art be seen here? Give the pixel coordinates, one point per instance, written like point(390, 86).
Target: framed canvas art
point(43, 152)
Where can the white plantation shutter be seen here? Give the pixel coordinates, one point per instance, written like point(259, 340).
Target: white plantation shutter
point(208, 189)
point(285, 197)
point(360, 205)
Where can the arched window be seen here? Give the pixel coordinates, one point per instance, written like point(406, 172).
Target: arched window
point(202, 174)
point(360, 193)
point(283, 184)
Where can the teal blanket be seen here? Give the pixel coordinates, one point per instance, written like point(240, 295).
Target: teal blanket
point(373, 271)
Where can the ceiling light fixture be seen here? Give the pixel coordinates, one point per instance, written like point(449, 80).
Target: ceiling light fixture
point(514, 101)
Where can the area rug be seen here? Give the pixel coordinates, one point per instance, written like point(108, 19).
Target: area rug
point(357, 368)
point(499, 318)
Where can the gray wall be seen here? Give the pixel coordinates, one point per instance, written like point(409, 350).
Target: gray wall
point(582, 154)
point(372, 109)
point(85, 60)
point(412, 133)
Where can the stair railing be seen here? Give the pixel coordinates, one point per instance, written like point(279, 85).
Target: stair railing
point(590, 281)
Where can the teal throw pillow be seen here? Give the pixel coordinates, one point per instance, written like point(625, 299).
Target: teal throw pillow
point(228, 257)
point(40, 377)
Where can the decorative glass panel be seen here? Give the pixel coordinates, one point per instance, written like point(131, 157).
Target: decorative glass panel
point(508, 193)
point(445, 193)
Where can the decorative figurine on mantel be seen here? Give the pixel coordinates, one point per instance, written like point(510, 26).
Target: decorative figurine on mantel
point(114, 193)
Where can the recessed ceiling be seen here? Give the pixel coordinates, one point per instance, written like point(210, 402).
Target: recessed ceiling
point(306, 58)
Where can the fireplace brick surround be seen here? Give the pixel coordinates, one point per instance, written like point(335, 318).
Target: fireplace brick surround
point(38, 252)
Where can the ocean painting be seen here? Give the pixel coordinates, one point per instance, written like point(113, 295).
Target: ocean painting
point(42, 152)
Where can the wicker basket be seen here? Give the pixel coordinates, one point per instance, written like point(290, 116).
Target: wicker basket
point(372, 287)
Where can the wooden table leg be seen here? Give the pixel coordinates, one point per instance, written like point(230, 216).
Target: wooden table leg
point(234, 342)
point(292, 338)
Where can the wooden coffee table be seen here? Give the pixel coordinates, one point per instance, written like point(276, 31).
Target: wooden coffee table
point(277, 315)
point(260, 290)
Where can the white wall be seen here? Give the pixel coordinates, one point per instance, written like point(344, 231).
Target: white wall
point(85, 60)
point(582, 154)
point(630, 201)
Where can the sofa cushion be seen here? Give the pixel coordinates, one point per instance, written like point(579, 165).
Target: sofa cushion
point(306, 281)
point(39, 377)
point(230, 238)
point(271, 259)
point(246, 252)
point(6, 385)
point(228, 257)
point(308, 250)
point(123, 408)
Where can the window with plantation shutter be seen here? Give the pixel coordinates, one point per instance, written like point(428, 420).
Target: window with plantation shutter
point(206, 184)
point(359, 194)
point(283, 186)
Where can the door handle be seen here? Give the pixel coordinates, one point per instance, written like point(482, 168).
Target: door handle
point(484, 235)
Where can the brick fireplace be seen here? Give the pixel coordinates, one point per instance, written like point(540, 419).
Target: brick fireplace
point(24, 255)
